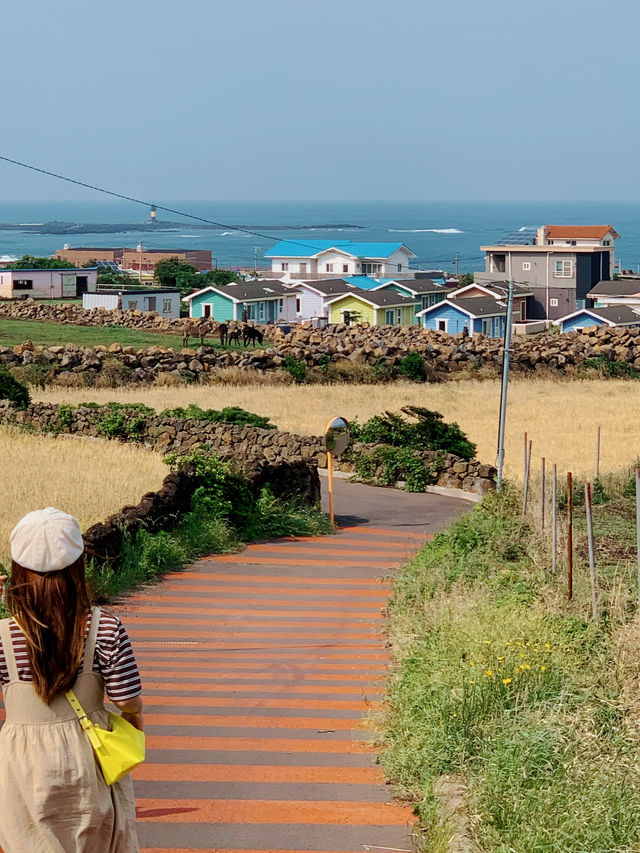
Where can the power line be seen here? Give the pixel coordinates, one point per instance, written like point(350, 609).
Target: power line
point(182, 213)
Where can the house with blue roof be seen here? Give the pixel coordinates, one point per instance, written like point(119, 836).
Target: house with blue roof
point(313, 259)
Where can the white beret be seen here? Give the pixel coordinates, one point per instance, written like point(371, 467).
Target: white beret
point(46, 540)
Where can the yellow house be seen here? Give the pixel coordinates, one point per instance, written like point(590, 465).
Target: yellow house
point(377, 307)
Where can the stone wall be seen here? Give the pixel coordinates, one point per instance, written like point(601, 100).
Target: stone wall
point(336, 352)
point(163, 509)
point(250, 446)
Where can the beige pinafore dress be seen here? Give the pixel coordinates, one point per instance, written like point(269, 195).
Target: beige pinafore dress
point(53, 798)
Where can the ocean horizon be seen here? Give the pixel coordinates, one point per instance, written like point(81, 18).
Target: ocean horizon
point(443, 235)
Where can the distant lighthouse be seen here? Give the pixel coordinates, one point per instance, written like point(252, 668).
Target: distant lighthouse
point(153, 213)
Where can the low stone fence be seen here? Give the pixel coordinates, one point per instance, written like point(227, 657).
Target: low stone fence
point(357, 353)
point(250, 446)
point(163, 509)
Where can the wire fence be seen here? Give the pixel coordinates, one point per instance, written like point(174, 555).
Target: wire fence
point(562, 513)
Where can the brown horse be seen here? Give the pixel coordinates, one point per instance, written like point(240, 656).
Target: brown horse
point(223, 332)
point(249, 334)
point(196, 329)
point(234, 335)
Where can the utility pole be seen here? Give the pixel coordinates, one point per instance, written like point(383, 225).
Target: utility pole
point(140, 248)
point(457, 263)
point(255, 257)
point(505, 382)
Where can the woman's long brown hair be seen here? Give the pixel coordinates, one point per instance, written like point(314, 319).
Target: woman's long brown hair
point(51, 610)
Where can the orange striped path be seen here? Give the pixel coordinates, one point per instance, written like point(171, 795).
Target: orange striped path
point(259, 670)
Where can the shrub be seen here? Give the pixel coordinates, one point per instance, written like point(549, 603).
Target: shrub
point(427, 432)
point(388, 465)
point(297, 368)
point(228, 415)
point(413, 368)
point(12, 389)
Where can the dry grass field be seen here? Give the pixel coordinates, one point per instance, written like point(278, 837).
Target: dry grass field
point(560, 417)
point(89, 479)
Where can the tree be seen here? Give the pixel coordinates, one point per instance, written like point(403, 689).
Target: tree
point(218, 277)
point(32, 262)
point(174, 272)
point(466, 278)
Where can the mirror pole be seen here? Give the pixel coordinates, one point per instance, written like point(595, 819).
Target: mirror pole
point(330, 477)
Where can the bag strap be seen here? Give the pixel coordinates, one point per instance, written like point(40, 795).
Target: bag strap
point(83, 718)
point(7, 647)
point(90, 645)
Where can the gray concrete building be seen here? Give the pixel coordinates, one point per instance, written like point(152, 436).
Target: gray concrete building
point(558, 264)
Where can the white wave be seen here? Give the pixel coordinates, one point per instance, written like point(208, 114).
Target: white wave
point(7, 259)
point(425, 230)
point(190, 235)
point(234, 234)
point(528, 228)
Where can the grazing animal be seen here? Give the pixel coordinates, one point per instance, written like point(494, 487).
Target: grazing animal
point(223, 332)
point(196, 330)
point(250, 334)
point(234, 335)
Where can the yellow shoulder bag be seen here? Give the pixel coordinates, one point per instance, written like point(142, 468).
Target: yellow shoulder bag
point(117, 751)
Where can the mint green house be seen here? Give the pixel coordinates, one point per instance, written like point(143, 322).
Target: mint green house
point(260, 301)
point(425, 291)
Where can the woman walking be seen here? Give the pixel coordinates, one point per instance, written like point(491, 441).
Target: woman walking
point(53, 798)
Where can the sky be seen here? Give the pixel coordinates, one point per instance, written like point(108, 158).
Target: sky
point(330, 100)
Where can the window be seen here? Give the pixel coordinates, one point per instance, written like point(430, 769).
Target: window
point(399, 316)
point(399, 267)
point(328, 267)
point(345, 267)
point(388, 317)
point(553, 303)
point(442, 325)
point(606, 242)
point(285, 267)
point(526, 265)
point(206, 310)
point(23, 284)
point(166, 306)
point(432, 299)
point(298, 306)
point(562, 269)
point(133, 305)
point(150, 303)
point(572, 242)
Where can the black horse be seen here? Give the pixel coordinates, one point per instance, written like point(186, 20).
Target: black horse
point(249, 335)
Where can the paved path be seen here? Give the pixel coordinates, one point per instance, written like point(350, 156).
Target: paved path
point(259, 669)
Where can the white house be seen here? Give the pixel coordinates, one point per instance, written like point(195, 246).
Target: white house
point(166, 303)
point(313, 296)
point(47, 284)
point(311, 259)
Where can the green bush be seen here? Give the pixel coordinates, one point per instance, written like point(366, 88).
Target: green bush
point(396, 464)
point(427, 431)
point(412, 367)
point(296, 368)
point(228, 415)
point(11, 389)
point(610, 367)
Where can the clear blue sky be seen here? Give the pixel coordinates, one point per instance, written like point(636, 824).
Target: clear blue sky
point(323, 99)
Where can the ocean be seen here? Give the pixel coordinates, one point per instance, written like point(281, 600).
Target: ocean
point(444, 235)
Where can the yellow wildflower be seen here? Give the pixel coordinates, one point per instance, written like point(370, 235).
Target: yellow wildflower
point(471, 681)
point(506, 681)
point(488, 673)
point(522, 655)
point(543, 669)
point(501, 659)
point(526, 666)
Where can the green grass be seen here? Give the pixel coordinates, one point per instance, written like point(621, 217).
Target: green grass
point(13, 332)
point(498, 680)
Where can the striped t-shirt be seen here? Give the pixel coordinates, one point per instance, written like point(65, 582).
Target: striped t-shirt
point(113, 659)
